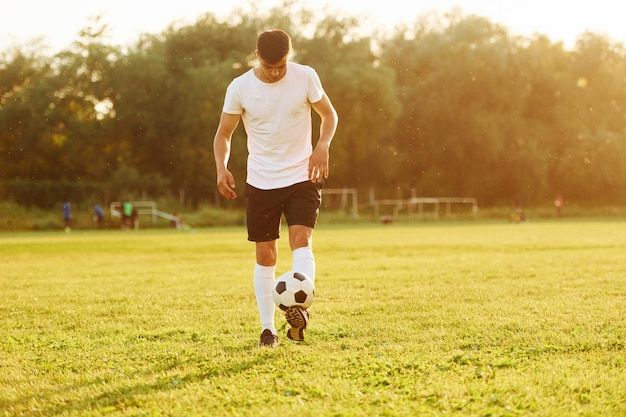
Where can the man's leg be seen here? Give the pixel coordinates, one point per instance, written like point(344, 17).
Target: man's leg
point(264, 281)
point(300, 241)
point(263, 214)
point(302, 259)
point(301, 211)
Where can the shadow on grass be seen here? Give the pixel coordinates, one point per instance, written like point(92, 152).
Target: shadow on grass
point(192, 360)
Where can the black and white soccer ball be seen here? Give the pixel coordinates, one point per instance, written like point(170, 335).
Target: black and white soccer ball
point(294, 289)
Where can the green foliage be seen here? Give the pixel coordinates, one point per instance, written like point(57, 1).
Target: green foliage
point(449, 105)
point(458, 319)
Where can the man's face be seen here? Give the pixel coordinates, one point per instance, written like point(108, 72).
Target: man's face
point(273, 72)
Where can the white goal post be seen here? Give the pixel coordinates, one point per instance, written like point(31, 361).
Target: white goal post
point(348, 199)
point(143, 208)
point(418, 203)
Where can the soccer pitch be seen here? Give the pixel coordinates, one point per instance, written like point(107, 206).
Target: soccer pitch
point(429, 319)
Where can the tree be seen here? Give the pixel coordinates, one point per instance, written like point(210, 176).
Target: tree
point(363, 93)
point(448, 105)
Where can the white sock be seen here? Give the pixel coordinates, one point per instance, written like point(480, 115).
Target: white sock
point(263, 285)
point(302, 260)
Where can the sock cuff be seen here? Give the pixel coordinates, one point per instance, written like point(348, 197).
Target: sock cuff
point(301, 253)
point(267, 272)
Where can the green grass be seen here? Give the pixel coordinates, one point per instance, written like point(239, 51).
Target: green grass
point(431, 319)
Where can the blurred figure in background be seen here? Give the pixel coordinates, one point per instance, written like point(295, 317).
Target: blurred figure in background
point(558, 205)
point(67, 216)
point(98, 215)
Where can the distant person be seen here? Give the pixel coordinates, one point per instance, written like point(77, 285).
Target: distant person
point(284, 172)
point(67, 216)
point(135, 218)
point(98, 215)
point(558, 205)
point(517, 215)
point(127, 215)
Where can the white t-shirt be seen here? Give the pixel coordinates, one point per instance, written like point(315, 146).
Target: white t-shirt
point(277, 119)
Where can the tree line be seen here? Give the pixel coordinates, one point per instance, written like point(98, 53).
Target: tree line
point(450, 105)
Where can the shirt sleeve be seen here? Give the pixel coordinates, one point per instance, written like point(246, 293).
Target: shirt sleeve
point(232, 99)
point(315, 91)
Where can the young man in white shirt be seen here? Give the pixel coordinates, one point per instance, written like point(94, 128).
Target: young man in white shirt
point(285, 173)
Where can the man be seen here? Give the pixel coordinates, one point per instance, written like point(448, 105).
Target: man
point(67, 216)
point(98, 213)
point(285, 173)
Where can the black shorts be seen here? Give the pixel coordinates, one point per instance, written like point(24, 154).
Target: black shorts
point(300, 203)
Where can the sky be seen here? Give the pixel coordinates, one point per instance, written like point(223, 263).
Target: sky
point(56, 24)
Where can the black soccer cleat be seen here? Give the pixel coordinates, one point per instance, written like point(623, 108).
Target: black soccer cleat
point(268, 339)
point(298, 319)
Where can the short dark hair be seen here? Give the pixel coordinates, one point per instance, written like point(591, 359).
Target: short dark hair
point(273, 45)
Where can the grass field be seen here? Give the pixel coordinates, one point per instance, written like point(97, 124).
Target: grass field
point(432, 319)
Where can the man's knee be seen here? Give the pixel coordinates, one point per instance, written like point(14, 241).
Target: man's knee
point(266, 253)
point(300, 236)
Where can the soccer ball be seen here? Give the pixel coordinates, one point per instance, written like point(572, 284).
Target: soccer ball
point(293, 289)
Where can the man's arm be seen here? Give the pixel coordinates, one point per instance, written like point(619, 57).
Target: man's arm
point(318, 162)
point(221, 150)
